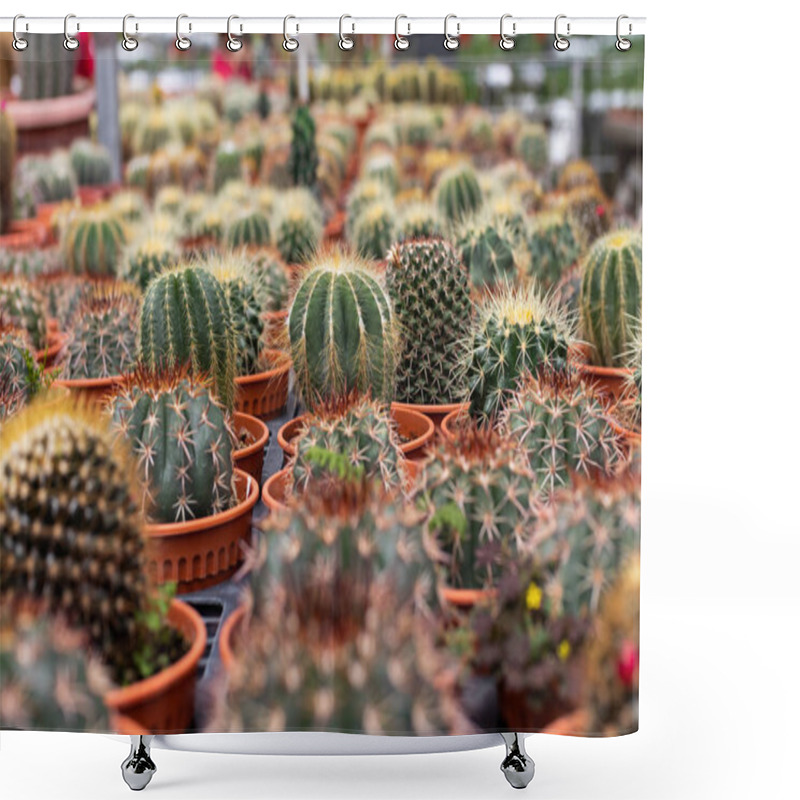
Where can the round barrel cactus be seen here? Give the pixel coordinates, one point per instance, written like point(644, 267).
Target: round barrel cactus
point(373, 232)
point(227, 164)
point(458, 193)
point(553, 247)
point(489, 252)
point(23, 307)
point(532, 147)
point(251, 229)
point(186, 320)
point(271, 280)
point(303, 158)
point(611, 295)
point(363, 195)
point(419, 221)
point(91, 163)
point(147, 256)
point(342, 330)
point(93, 242)
point(576, 174)
point(298, 226)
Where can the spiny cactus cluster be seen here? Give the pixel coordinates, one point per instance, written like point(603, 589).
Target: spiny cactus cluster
point(102, 340)
point(517, 332)
point(23, 307)
point(298, 226)
point(562, 429)
point(93, 242)
point(458, 193)
point(430, 289)
point(182, 440)
point(186, 320)
point(611, 295)
point(480, 496)
point(357, 428)
point(342, 330)
point(303, 158)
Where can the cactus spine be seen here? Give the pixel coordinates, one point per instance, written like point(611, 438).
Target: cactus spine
point(271, 281)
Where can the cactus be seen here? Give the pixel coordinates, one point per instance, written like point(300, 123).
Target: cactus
point(357, 428)
point(71, 533)
point(169, 200)
point(611, 295)
point(342, 330)
point(458, 193)
point(373, 232)
point(553, 247)
point(489, 252)
point(93, 242)
point(430, 289)
point(91, 163)
point(382, 167)
point(102, 340)
point(633, 383)
point(270, 280)
point(303, 159)
point(249, 228)
point(23, 306)
point(298, 226)
point(154, 130)
point(54, 180)
point(506, 211)
point(480, 497)
point(227, 165)
point(186, 320)
point(45, 71)
point(419, 221)
point(129, 205)
point(532, 147)
point(364, 195)
point(589, 212)
point(146, 257)
point(577, 174)
point(562, 429)
point(516, 332)
point(47, 681)
point(183, 441)
point(8, 155)
point(18, 372)
point(236, 280)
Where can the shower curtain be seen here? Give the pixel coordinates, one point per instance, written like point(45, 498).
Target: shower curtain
point(321, 386)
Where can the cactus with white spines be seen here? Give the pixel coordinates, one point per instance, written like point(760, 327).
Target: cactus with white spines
point(129, 205)
point(227, 164)
point(91, 163)
point(364, 195)
point(93, 242)
point(489, 251)
point(271, 280)
point(18, 375)
point(298, 225)
point(23, 306)
point(458, 193)
point(249, 228)
point(169, 200)
point(374, 231)
point(419, 220)
point(553, 247)
point(382, 167)
point(147, 256)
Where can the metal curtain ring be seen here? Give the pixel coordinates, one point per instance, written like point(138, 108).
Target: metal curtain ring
point(290, 44)
point(507, 42)
point(181, 42)
point(623, 44)
point(233, 44)
point(450, 41)
point(129, 43)
point(70, 42)
point(18, 43)
point(401, 42)
point(345, 42)
point(561, 43)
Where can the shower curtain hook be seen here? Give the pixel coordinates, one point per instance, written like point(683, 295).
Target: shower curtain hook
point(561, 43)
point(70, 42)
point(129, 43)
point(182, 42)
point(507, 41)
point(345, 42)
point(401, 42)
point(623, 44)
point(450, 41)
point(233, 44)
point(18, 43)
point(290, 44)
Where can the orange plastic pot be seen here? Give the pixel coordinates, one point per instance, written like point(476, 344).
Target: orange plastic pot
point(203, 552)
point(250, 459)
point(276, 489)
point(276, 322)
point(33, 227)
point(436, 413)
point(94, 391)
point(164, 703)
point(466, 598)
point(612, 382)
point(55, 344)
point(229, 635)
point(264, 395)
point(19, 240)
point(451, 421)
point(632, 438)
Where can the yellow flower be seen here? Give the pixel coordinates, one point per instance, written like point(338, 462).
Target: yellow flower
point(564, 650)
point(533, 597)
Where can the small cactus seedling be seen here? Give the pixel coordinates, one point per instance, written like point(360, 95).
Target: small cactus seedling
point(489, 251)
point(93, 241)
point(517, 332)
point(458, 193)
point(102, 340)
point(146, 257)
point(430, 289)
point(342, 330)
point(611, 295)
point(298, 226)
point(183, 441)
point(23, 307)
point(373, 232)
point(186, 320)
point(303, 158)
point(250, 228)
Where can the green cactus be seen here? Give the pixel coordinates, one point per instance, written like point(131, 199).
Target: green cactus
point(23, 306)
point(91, 163)
point(8, 155)
point(364, 195)
point(532, 147)
point(633, 383)
point(517, 332)
point(458, 193)
point(102, 341)
point(342, 330)
point(562, 429)
point(382, 167)
point(298, 226)
point(270, 280)
point(18, 373)
point(419, 221)
point(430, 289)
point(53, 179)
point(129, 205)
point(227, 164)
point(46, 71)
point(47, 679)
point(611, 295)
point(169, 200)
point(183, 441)
point(93, 242)
point(78, 546)
point(489, 252)
point(553, 247)
point(589, 211)
point(577, 174)
point(357, 428)
point(146, 257)
point(303, 158)
point(249, 228)
point(373, 232)
point(186, 320)
point(480, 497)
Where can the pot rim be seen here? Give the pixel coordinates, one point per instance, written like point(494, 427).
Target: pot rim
point(269, 500)
point(275, 372)
point(261, 441)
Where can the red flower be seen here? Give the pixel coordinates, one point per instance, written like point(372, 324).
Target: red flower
point(628, 662)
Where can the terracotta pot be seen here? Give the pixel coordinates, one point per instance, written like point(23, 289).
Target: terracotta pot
point(52, 326)
point(632, 438)
point(92, 195)
point(55, 344)
point(264, 395)
point(520, 715)
point(436, 413)
point(466, 598)
point(203, 552)
point(276, 323)
point(164, 702)
point(417, 428)
point(609, 381)
point(92, 391)
point(334, 230)
point(450, 423)
point(574, 724)
point(276, 489)
point(34, 227)
point(250, 459)
point(228, 637)
point(18, 240)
